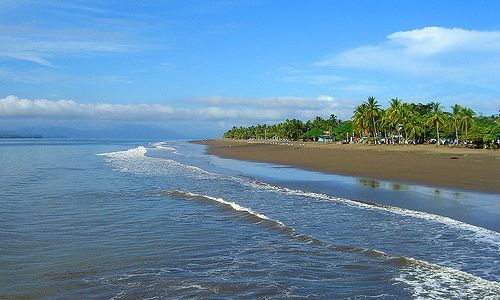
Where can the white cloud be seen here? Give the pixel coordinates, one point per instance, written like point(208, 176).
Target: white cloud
point(39, 45)
point(13, 107)
point(282, 107)
point(277, 108)
point(435, 40)
point(455, 55)
point(29, 56)
point(220, 109)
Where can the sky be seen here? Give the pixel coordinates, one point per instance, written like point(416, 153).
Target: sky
point(199, 68)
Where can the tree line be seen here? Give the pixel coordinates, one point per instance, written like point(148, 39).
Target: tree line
point(401, 122)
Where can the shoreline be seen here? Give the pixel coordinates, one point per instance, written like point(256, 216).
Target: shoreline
point(475, 170)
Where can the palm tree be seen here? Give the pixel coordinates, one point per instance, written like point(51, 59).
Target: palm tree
point(372, 112)
point(436, 117)
point(334, 121)
point(393, 114)
point(415, 127)
point(455, 118)
point(319, 122)
point(359, 122)
point(293, 129)
point(385, 122)
point(406, 114)
point(467, 119)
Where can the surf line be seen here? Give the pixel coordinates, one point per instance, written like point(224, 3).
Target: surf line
point(249, 215)
point(420, 271)
point(261, 219)
point(486, 235)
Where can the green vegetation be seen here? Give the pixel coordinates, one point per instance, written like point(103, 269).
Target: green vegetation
point(294, 130)
point(408, 123)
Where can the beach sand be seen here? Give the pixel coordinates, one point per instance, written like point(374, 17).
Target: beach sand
point(459, 168)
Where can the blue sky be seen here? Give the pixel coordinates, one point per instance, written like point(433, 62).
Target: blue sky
point(200, 67)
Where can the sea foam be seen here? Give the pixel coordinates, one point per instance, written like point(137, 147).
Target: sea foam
point(478, 233)
point(426, 279)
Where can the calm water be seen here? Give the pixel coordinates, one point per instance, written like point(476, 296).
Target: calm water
point(134, 220)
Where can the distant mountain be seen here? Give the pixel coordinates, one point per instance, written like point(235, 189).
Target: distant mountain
point(50, 132)
point(122, 132)
point(16, 136)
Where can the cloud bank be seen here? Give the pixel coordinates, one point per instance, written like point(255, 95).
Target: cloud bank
point(208, 109)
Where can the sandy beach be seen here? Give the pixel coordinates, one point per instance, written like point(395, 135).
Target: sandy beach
point(465, 169)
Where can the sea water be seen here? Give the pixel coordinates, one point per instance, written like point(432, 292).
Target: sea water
point(107, 219)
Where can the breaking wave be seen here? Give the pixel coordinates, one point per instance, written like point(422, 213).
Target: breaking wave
point(249, 214)
point(427, 280)
point(479, 233)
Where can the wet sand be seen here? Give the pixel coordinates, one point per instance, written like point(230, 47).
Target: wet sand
point(458, 168)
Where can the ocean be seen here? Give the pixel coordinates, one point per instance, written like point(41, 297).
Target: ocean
point(131, 219)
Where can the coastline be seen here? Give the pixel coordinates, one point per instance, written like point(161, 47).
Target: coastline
point(457, 168)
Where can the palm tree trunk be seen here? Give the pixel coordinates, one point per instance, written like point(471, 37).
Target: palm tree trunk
point(437, 131)
point(425, 133)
